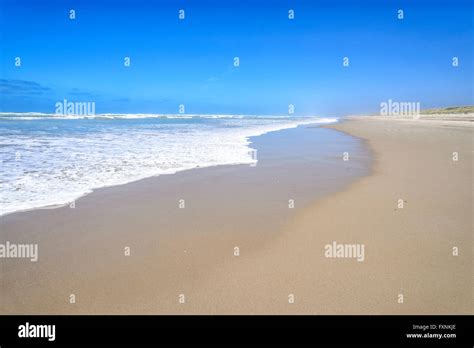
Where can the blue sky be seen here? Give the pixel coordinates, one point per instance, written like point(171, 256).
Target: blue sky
point(190, 61)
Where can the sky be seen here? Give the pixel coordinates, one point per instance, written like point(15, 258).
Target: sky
point(190, 62)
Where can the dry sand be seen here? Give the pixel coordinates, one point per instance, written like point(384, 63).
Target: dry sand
point(407, 251)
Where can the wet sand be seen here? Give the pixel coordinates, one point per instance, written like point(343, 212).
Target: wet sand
point(173, 250)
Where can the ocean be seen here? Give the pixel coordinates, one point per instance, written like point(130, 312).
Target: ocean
point(48, 160)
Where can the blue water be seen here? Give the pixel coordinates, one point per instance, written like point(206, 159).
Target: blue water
point(51, 160)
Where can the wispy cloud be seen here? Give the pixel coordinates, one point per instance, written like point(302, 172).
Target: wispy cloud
point(212, 79)
point(76, 92)
point(22, 88)
point(121, 100)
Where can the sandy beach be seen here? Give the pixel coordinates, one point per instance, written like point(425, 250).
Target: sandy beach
point(184, 259)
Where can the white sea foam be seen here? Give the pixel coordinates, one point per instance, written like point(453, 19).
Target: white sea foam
point(43, 164)
point(38, 116)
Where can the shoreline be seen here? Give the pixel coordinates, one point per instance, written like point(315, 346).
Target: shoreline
point(225, 206)
point(248, 139)
point(280, 253)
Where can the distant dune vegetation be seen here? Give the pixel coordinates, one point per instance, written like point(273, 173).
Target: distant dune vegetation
point(450, 110)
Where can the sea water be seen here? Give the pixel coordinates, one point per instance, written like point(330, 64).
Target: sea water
point(48, 160)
